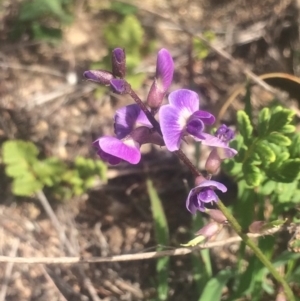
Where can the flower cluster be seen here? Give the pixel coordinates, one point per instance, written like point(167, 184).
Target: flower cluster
point(180, 118)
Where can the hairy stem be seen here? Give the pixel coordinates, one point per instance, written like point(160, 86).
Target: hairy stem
point(258, 253)
point(233, 222)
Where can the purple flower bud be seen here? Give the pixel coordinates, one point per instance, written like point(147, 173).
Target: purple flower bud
point(209, 230)
point(101, 77)
point(163, 79)
point(216, 215)
point(119, 62)
point(119, 86)
point(224, 133)
point(256, 226)
point(213, 162)
point(281, 296)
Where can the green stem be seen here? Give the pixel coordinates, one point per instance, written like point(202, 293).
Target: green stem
point(233, 222)
point(267, 263)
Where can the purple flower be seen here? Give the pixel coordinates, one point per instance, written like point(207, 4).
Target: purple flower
point(127, 118)
point(163, 79)
point(101, 77)
point(203, 194)
point(129, 137)
point(220, 141)
point(182, 117)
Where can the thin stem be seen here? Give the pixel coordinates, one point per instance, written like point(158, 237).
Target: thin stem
point(233, 222)
point(267, 263)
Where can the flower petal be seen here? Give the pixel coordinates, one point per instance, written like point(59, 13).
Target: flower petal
point(224, 151)
point(171, 127)
point(112, 160)
point(224, 133)
point(206, 117)
point(191, 203)
point(184, 100)
point(207, 195)
point(126, 118)
point(211, 183)
point(195, 127)
point(164, 69)
point(127, 150)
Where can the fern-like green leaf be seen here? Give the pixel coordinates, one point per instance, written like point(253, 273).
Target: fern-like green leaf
point(244, 125)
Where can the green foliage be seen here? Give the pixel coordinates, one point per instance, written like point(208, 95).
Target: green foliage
point(244, 125)
point(123, 8)
point(42, 19)
point(130, 35)
point(213, 289)
point(270, 150)
point(200, 48)
point(30, 174)
point(162, 237)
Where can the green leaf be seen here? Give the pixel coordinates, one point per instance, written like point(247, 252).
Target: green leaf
point(15, 151)
point(195, 241)
point(247, 100)
point(288, 129)
point(278, 139)
point(244, 126)
point(280, 117)
point(265, 152)
point(295, 146)
point(252, 174)
point(36, 9)
point(289, 170)
point(274, 224)
point(263, 121)
point(123, 8)
point(162, 238)
point(26, 186)
point(241, 154)
point(214, 287)
point(280, 158)
point(129, 33)
point(268, 187)
point(234, 168)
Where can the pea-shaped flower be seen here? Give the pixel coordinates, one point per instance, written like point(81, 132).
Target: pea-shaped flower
point(203, 194)
point(182, 117)
point(132, 129)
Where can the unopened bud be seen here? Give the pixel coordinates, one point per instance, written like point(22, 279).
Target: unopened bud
point(213, 162)
point(281, 296)
point(155, 96)
point(199, 180)
point(216, 215)
point(163, 79)
point(119, 86)
point(101, 77)
point(119, 62)
point(209, 230)
point(257, 227)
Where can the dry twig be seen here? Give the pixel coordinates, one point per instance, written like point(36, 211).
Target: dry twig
point(138, 256)
point(9, 269)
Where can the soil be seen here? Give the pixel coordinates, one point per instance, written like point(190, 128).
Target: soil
point(44, 99)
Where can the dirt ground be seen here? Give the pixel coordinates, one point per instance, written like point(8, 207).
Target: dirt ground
point(44, 99)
